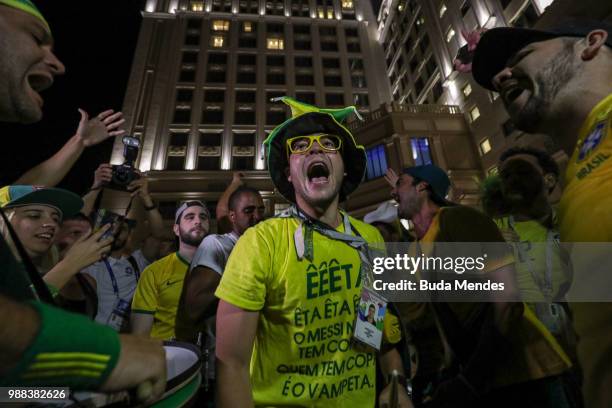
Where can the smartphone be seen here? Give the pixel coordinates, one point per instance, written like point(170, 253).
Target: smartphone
point(104, 217)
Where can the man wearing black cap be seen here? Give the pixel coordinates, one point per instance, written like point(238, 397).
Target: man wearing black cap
point(289, 291)
point(560, 83)
point(509, 359)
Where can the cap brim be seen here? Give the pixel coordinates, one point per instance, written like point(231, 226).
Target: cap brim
point(310, 123)
point(65, 201)
point(497, 46)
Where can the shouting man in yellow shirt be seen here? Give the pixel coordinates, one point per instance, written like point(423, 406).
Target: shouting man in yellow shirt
point(560, 83)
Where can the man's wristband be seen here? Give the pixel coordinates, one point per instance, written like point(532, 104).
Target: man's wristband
point(151, 207)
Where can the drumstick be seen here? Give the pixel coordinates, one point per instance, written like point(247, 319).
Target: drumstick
point(393, 399)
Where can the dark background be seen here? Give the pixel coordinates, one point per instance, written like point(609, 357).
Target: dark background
point(95, 40)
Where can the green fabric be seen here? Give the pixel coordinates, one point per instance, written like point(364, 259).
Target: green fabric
point(28, 7)
point(68, 351)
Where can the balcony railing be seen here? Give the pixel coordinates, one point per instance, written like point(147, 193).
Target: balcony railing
point(395, 107)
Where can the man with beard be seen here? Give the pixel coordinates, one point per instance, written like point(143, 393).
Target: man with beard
point(36, 339)
point(473, 354)
point(559, 83)
point(157, 296)
point(117, 275)
point(291, 286)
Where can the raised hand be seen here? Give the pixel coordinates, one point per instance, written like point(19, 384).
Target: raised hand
point(96, 130)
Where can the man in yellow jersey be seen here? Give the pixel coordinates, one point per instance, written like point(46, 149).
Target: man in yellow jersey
point(157, 295)
point(290, 289)
point(560, 83)
point(505, 357)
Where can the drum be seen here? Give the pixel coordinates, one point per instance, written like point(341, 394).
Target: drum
point(183, 382)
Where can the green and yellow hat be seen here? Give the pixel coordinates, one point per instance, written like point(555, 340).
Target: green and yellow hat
point(308, 120)
point(28, 7)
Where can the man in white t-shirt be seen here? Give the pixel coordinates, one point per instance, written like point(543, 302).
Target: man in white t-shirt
point(198, 302)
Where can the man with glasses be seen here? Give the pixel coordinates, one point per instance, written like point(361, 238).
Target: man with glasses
point(292, 283)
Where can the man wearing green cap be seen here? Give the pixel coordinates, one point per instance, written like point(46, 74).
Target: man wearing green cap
point(292, 283)
point(41, 345)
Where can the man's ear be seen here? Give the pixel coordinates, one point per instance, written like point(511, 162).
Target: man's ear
point(288, 174)
point(422, 186)
point(594, 40)
point(176, 230)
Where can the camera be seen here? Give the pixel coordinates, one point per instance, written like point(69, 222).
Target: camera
point(124, 174)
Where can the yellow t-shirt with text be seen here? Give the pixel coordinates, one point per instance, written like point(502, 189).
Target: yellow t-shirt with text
point(302, 355)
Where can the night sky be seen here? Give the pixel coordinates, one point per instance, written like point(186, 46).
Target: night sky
point(95, 40)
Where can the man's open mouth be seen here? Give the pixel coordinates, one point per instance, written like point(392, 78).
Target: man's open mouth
point(39, 82)
point(318, 172)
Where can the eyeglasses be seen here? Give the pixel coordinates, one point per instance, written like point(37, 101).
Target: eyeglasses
point(302, 144)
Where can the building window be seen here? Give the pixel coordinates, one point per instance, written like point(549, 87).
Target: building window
point(493, 96)
point(249, 7)
point(485, 147)
point(467, 89)
point(334, 99)
point(304, 79)
point(353, 46)
point(450, 33)
point(493, 171)
point(465, 7)
point(421, 153)
point(474, 113)
point(190, 57)
point(220, 25)
point(209, 151)
point(329, 46)
point(187, 74)
point(358, 81)
point(347, 4)
point(212, 115)
point(376, 162)
point(303, 62)
point(182, 115)
point(307, 97)
point(214, 96)
point(276, 43)
point(442, 9)
point(197, 6)
point(184, 95)
point(217, 41)
point(361, 101)
point(332, 80)
point(247, 27)
point(177, 151)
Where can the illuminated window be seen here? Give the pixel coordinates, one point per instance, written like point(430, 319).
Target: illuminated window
point(442, 9)
point(347, 4)
point(450, 33)
point(217, 41)
point(247, 27)
point(321, 12)
point(420, 21)
point(221, 25)
point(197, 6)
point(330, 13)
point(421, 153)
point(485, 147)
point(474, 113)
point(467, 90)
point(493, 171)
point(276, 44)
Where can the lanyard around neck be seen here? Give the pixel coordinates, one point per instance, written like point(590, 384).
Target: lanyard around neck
point(109, 268)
